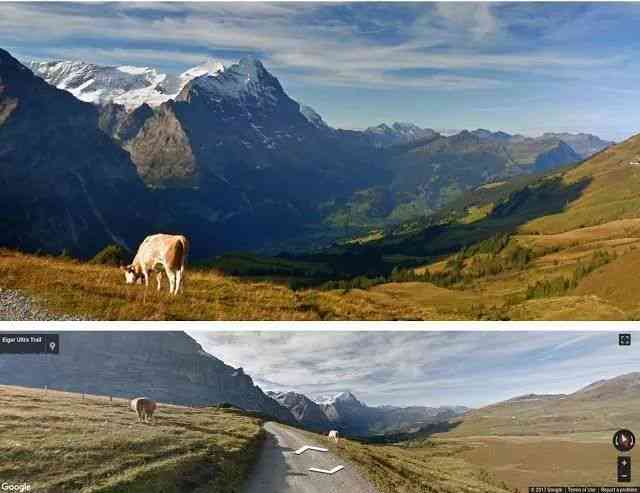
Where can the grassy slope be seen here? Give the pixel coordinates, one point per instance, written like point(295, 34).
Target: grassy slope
point(612, 193)
point(99, 292)
point(60, 443)
point(548, 442)
point(604, 216)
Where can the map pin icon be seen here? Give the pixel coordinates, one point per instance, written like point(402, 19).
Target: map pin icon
point(52, 345)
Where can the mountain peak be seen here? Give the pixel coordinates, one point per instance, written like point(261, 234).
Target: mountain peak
point(208, 67)
point(247, 78)
point(346, 398)
point(8, 62)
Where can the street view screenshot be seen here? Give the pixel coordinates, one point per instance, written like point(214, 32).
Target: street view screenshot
point(319, 247)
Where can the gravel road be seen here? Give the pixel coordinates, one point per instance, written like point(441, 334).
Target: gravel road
point(15, 306)
point(280, 470)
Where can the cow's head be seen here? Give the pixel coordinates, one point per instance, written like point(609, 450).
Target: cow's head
point(130, 274)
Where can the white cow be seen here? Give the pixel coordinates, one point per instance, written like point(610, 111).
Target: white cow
point(168, 250)
point(144, 408)
point(333, 435)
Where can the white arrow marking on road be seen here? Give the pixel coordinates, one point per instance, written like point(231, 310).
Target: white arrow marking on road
point(324, 471)
point(309, 447)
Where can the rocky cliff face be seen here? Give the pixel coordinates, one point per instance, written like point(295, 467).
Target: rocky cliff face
point(166, 366)
point(60, 174)
point(307, 412)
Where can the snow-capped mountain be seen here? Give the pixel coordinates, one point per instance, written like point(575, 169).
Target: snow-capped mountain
point(313, 117)
point(384, 135)
point(303, 409)
point(344, 397)
point(126, 85)
point(343, 411)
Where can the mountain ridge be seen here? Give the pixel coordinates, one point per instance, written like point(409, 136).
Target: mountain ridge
point(229, 162)
point(349, 415)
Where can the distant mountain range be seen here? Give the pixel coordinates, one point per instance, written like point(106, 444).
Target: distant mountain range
point(346, 413)
point(223, 155)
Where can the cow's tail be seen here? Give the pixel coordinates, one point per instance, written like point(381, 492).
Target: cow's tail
point(183, 244)
point(185, 250)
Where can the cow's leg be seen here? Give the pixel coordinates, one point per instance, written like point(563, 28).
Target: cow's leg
point(178, 280)
point(171, 275)
point(159, 280)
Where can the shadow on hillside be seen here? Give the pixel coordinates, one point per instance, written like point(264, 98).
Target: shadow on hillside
point(421, 434)
point(549, 196)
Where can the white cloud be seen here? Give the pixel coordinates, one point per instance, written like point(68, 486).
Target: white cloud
point(428, 368)
point(332, 52)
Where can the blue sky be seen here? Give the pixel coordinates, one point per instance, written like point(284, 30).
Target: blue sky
point(520, 67)
point(424, 368)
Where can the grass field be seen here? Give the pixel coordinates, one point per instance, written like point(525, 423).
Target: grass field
point(59, 442)
point(99, 292)
point(551, 440)
point(521, 462)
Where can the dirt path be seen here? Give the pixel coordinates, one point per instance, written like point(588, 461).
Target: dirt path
point(280, 470)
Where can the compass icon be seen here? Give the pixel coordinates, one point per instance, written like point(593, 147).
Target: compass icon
point(624, 440)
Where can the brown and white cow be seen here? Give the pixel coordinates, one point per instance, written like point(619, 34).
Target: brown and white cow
point(168, 250)
point(334, 435)
point(144, 408)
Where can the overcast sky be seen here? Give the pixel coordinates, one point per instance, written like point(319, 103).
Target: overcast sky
point(424, 368)
point(520, 67)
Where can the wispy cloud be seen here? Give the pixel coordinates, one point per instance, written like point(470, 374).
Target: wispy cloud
point(297, 38)
point(488, 51)
point(429, 368)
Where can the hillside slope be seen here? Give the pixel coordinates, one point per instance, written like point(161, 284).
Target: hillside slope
point(65, 443)
point(600, 408)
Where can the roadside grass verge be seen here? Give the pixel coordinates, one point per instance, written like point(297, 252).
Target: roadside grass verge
point(417, 466)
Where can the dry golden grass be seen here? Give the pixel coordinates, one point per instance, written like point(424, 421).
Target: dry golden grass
point(618, 283)
point(548, 441)
point(537, 461)
point(60, 442)
point(99, 292)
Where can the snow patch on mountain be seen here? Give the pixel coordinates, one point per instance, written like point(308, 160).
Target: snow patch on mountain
point(312, 116)
point(343, 397)
point(247, 78)
point(127, 85)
